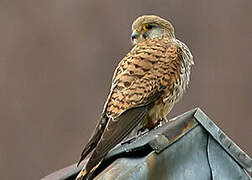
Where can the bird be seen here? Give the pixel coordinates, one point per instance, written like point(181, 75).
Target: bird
point(146, 84)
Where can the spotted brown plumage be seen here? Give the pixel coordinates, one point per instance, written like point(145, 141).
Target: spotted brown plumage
point(147, 69)
point(146, 84)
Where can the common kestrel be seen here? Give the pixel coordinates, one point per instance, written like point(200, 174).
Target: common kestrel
point(146, 84)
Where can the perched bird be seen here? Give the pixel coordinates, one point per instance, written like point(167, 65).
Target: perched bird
point(146, 84)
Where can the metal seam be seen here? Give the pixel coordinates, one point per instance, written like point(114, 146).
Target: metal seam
point(208, 160)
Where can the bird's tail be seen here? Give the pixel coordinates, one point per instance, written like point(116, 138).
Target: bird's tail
point(84, 174)
point(94, 139)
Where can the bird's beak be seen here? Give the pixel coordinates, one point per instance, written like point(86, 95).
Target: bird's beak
point(134, 36)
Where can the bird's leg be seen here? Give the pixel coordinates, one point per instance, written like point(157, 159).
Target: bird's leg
point(141, 130)
point(163, 121)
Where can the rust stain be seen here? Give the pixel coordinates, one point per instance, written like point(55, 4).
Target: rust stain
point(179, 129)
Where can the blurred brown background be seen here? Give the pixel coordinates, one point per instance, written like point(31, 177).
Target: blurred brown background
point(57, 58)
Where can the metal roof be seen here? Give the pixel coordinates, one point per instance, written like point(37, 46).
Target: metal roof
point(189, 146)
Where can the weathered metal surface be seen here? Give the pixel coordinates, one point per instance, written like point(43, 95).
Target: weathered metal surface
point(177, 130)
point(186, 159)
point(223, 166)
point(239, 155)
point(189, 147)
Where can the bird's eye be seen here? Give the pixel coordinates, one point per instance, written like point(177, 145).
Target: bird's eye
point(147, 27)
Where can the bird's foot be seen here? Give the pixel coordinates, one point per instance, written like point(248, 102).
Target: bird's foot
point(163, 121)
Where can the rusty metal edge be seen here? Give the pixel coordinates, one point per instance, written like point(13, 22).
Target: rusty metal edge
point(164, 139)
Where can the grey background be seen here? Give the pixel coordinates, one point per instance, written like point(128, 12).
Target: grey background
point(57, 58)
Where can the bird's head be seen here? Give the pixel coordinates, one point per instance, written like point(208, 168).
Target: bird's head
point(149, 27)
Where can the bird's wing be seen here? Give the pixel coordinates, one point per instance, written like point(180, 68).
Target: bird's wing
point(151, 66)
point(142, 77)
